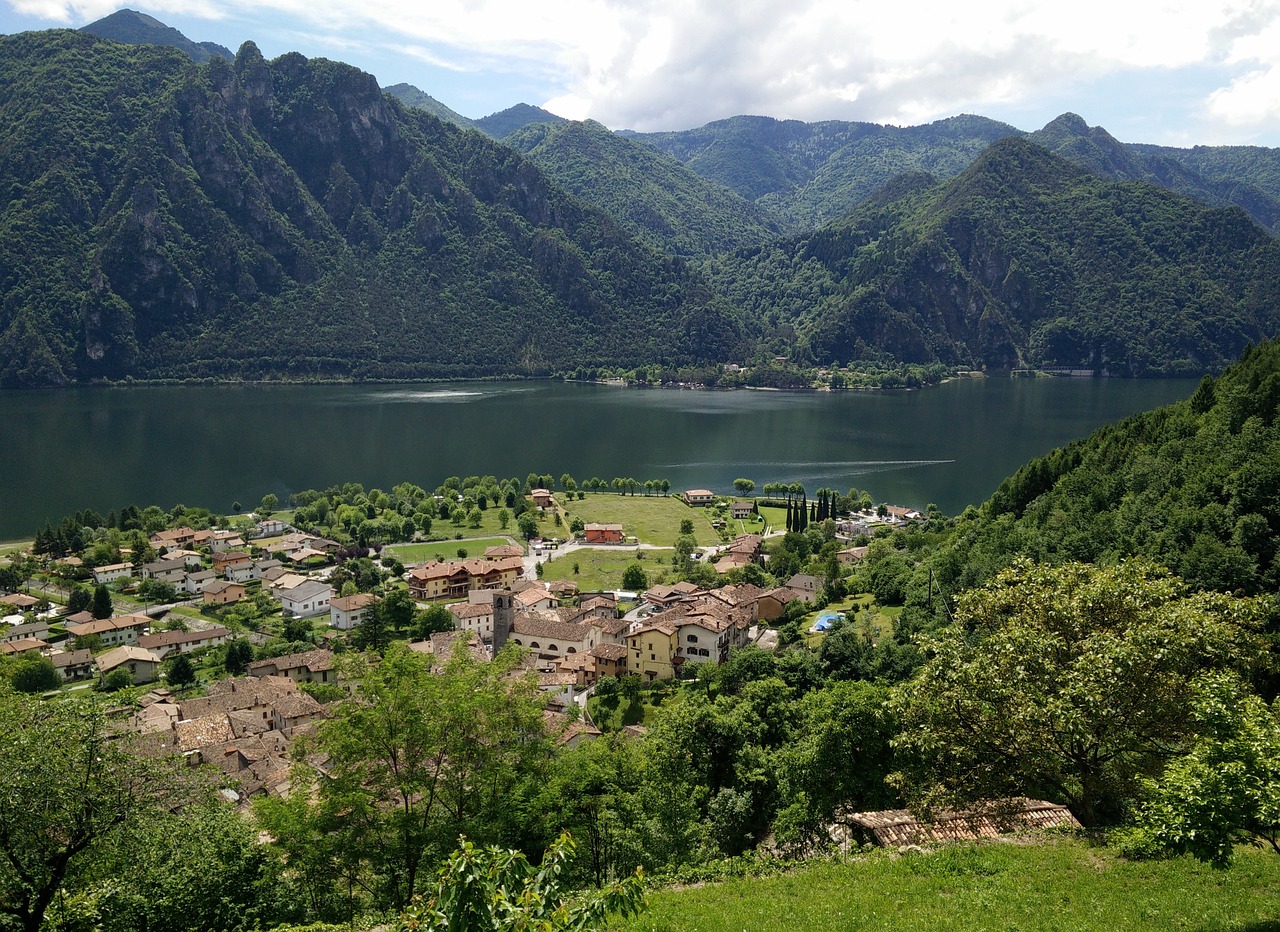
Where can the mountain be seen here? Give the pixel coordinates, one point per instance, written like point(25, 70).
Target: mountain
point(1024, 259)
point(134, 28)
point(1248, 177)
point(809, 173)
point(653, 196)
point(160, 218)
point(411, 96)
point(502, 124)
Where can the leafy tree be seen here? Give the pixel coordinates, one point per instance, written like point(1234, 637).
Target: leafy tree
point(239, 656)
point(432, 620)
point(686, 526)
point(397, 609)
point(298, 629)
point(634, 578)
point(80, 599)
point(492, 888)
point(528, 525)
point(67, 789)
point(270, 502)
point(504, 518)
point(1226, 788)
point(1071, 681)
point(181, 672)
point(118, 679)
point(158, 591)
point(33, 673)
point(744, 486)
point(418, 757)
point(102, 607)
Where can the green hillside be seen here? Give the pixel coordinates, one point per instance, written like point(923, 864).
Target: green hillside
point(660, 201)
point(1021, 260)
point(134, 28)
point(286, 218)
point(809, 173)
point(411, 96)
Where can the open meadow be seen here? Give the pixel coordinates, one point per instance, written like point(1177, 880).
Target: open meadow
point(1061, 884)
point(651, 519)
point(602, 569)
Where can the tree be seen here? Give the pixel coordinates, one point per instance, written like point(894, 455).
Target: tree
point(239, 656)
point(67, 787)
point(432, 620)
point(80, 599)
point(634, 578)
point(102, 607)
point(298, 629)
point(686, 526)
point(1072, 682)
point(1226, 788)
point(528, 525)
point(34, 674)
point(418, 757)
point(492, 888)
point(270, 502)
point(744, 486)
point(504, 518)
point(181, 672)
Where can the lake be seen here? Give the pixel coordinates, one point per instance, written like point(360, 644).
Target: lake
point(103, 448)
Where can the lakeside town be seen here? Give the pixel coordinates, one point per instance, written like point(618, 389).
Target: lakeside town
point(225, 642)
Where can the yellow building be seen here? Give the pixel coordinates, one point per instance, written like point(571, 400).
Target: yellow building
point(653, 651)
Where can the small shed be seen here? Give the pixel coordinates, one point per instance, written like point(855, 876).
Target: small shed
point(995, 819)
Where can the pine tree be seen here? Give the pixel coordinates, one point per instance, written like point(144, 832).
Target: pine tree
point(181, 672)
point(102, 607)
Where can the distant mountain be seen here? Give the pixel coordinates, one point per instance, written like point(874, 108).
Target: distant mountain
point(134, 28)
point(502, 124)
point(411, 96)
point(255, 219)
point(809, 173)
point(1248, 177)
point(653, 196)
point(1024, 259)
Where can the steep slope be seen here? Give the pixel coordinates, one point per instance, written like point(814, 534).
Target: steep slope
point(502, 124)
point(654, 197)
point(1024, 259)
point(808, 173)
point(134, 28)
point(163, 219)
point(1195, 486)
point(411, 96)
point(1215, 175)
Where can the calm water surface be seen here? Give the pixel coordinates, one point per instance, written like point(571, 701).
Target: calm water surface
point(102, 448)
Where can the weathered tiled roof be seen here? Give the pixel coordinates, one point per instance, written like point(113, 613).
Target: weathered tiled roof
point(1001, 817)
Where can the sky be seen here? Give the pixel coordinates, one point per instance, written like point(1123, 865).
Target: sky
point(1171, 72)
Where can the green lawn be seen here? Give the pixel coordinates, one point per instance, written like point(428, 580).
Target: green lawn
point(652, 519)
point(1062, 884)
point(879, 626)
point(445, 549)
point(602, 569)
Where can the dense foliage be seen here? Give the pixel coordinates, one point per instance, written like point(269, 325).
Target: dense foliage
point(1021, 260)
point(809, 173)
point(657, 199)
point(160, 218)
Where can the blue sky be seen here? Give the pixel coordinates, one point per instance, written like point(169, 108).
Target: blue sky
point(1174, 72)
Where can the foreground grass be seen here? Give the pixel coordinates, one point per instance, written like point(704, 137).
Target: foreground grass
point(1062, 884)
point(652, 519)
point(603, 569)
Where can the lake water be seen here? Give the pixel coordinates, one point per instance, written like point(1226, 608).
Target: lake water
point(103, 448)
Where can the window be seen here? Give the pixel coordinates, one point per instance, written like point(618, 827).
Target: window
point(692, 639)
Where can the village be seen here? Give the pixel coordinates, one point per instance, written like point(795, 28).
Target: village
point(174, 659)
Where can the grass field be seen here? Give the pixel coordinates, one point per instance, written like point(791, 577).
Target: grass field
point(1062, 884)
point(445, 549)
point(651, 519)
point(603, 569)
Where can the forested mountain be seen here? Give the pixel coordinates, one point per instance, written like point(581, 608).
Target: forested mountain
point(1248, 177)
point(161, 218)
point(411, 96)
point(1194, 486)
point(808, 173)
point(1023, 259)
point(655, 197)
point(134, 28)
point(505, 122)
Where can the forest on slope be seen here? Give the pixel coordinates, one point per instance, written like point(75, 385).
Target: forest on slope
point(1021, 260)
point(166, 219)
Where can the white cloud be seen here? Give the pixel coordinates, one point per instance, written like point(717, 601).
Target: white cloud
point(660, 64)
